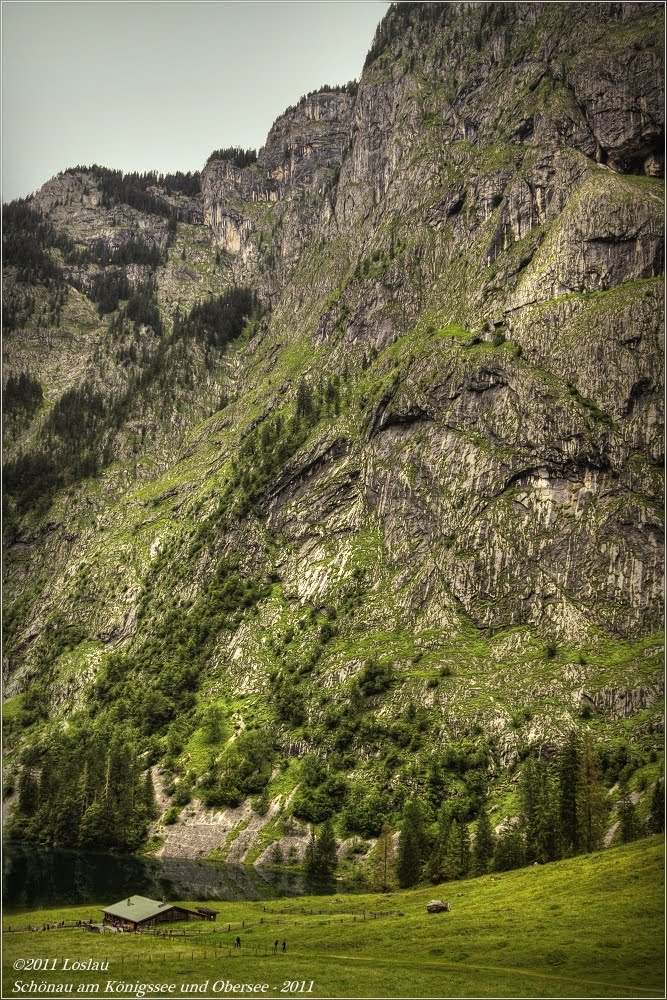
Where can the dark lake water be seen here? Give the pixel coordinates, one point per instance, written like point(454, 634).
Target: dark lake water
point(43, 877)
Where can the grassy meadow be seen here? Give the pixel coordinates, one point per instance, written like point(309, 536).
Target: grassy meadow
point(587, 927)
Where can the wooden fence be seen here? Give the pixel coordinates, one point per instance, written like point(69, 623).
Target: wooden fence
point(207, 927)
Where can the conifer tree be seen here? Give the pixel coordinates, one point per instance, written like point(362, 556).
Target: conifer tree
point(304, 401)
point(309, 858)
point(28, 793)
point(530, 794)
point(326, 851)
point(411, 846)
point(591, 803)
point(384, 863)
point(436, 784)
point(484, 844)
point(94, 829)
point(322, 855)
point(510, 850)
point(435, 868)
point(627, 815)
point(457, 854)
point(548, 832)
point(540, 812)
point(568, 777)
point(656, 816)
point(65, 821)
point(84, 793)
point(276, 854)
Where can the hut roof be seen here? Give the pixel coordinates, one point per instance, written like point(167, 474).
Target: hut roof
point(136, 908)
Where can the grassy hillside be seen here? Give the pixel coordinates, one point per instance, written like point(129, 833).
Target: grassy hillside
point(588, 927)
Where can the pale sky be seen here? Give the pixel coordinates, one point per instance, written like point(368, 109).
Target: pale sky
point(159, 85)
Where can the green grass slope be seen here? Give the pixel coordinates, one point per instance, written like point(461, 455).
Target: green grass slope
point(588, 927)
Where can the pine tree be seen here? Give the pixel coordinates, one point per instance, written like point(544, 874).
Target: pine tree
point(627, 815)
point(276, 853)
point(457, 853)
point(540, 812)
point(66, 820)
point(304, 401)
point(84, 791)
point(529, 797)
point(549, 839)
point(656, 816)
point(436, 783)
point(28, 791)
point(148, 798)
point(411, 846)
point(326, 851)
point(309, 862)
point(322, 856)
point(568, 777)
point(510, 850)
point(212, 724)
point(435, 867)
point(484, 844)
point(384, 864)
point(94, 832)
point(591, 803)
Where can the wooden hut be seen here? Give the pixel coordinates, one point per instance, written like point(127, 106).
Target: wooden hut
point(137, 912)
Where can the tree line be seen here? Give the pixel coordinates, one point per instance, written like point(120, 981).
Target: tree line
point(174, 654)
point(133, 188)
point(218, 320)
point(78, 434)
point(268, 447)
point(22, 396)
point(84, 787)
point(26, 239)
point(563, 811)
point(132, 251)
point(351, 88)
point(72, 449)
point(235, 155)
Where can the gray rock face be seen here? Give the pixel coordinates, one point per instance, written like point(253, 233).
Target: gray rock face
point(300, 159)
point(307, 139)
point(521, 469)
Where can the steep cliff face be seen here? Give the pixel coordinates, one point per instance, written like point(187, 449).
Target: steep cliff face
point(486, 183)
point(441, 448)
point(298, 165)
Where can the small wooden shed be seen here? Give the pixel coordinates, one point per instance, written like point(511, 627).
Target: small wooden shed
point(137, 912)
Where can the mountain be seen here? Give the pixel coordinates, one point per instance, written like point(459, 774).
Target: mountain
point(334, 474)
